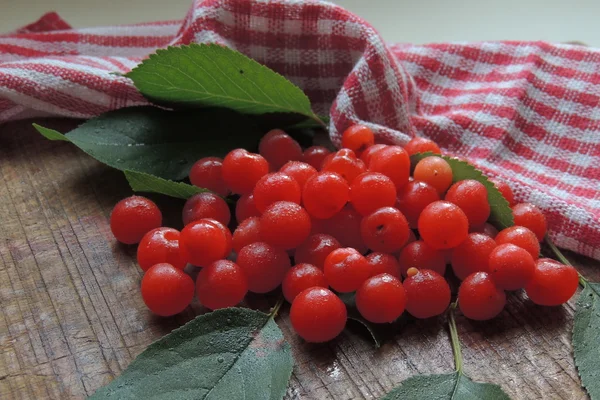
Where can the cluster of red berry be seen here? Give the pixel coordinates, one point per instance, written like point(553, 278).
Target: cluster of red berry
point(353, 221)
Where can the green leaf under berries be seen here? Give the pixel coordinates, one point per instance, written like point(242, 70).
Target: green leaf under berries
point(586, 337)
point(501, 214)
point(159, 142)
point(233, 353)
point(141, 182)
point(201, 75)
point(453, 386)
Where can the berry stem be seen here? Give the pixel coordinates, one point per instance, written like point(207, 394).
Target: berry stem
point(458, 360)
point(561, 257)
point(276, 307)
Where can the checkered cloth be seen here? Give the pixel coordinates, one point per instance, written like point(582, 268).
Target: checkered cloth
point(527, 112)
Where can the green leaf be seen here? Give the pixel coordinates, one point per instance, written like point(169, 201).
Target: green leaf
point(453, 386)
point(232, 353)
point(159, 142)
point(501, 214)
point(213, 75)
point(141, 182)
point(586, 337)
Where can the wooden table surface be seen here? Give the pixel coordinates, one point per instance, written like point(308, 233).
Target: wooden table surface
point(72, 317)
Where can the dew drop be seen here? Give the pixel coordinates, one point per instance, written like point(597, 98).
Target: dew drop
point(182, 162)
point(220, 359)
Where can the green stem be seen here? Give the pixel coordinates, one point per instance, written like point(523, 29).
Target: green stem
point(561, 257)
point(276, 307)
point(458, 359)
point(319, 121)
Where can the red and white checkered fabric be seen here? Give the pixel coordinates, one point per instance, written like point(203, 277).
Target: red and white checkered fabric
point(527, 112)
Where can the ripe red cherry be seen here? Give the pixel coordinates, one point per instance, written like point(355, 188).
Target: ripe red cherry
point(443, 225)
point(242, 169)
point(552, 284)
point(511, 267)
point(370, 191)
point(358, 138)
point(300, 278)
point(204, 241)
point(472, 255)
point(487, 229)
point(479, 298)
point(420, 255)
point(133, 217)
point(344, 163)
point(206, 205)
point(160, 245)
point(315, 249)
point(435, 171)
point(222, 284)
point(529, 216)
point(413, 198)
point(385, 230)
point(276, 187)
point(318, 315)
point(383, 263)
point(264, 266)
point(345, 227)
point(285, 224)
point(381, 299)
point(246, 233)
point(167, 290)
point(522, 237)
point(393, 162)
point(427, 293)
point(472, 197)
point(277, 147)
point(370, 151)
point(299, 171)
point(315, 156)
point(325, 195)
point(421, 145)
point(504, 190)
point(346, 269)
point(245, 208)
point(207, 173)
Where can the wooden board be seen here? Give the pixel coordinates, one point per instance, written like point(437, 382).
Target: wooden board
point(72, 317)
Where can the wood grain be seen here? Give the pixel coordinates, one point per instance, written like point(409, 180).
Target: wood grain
point(72, 317)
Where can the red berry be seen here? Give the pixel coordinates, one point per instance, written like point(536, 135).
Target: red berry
point(345, 227)
point(358, 138)
point(420, 255)
point(385, 230)
point(299, 171)
point(421, 145)
point(284, 224)
point(242, 169)
point(315, 249)
point(370, 151)
point(427, 293)
point(276, 187)
point(222, 284)
point(522, 237)
point(346, 269)
point(318, 315)
point(245, 208)
point(529, 216)
point(325, 195)
point(413, 198)
point(133, 217)
point(205, 205)
point(345, 163)
point(472, 197)
point(479, 298)
point(264, 266)
point(486, 229)
point(315, 156)
point(300, 278)
point(435, 171)
point(383, 263)
point(393, 162)
point(207, 173)
point(246, 233)
point(381, 299)
point(472, 255)
point(160, 245)
point(370, 191)
point(552, 284)
point(204, 241)
point(277, 147)
point(443, 225)
point(167, 290)
point(504, 190)
point(511, 267)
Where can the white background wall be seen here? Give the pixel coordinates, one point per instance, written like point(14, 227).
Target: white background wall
point(417, 21)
